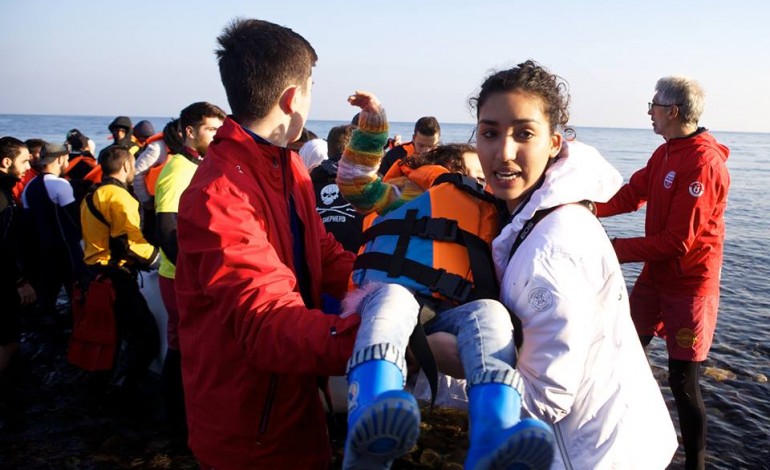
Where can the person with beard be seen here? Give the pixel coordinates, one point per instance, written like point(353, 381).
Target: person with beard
point(34, 146)
point(121, 129)
point(52, 222)
point(199, 122)
point(15, 290)
point(116, 249)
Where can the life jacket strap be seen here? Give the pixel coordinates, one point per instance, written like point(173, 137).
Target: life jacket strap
point(452, 286)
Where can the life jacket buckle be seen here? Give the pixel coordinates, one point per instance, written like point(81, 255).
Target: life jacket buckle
point(439, 229)
point(451, 286)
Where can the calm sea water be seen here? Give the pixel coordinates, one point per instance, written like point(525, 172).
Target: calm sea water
point(735, 385)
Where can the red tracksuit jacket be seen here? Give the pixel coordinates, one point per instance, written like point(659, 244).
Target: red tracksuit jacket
point(684, 185)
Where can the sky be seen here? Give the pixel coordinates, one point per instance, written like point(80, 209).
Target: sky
point(143, 58)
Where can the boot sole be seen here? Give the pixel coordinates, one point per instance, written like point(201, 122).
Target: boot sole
point(388, 429)
point(529, 447)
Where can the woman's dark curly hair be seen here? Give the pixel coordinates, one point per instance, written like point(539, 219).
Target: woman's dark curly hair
point(450, 156)
point(531, 78)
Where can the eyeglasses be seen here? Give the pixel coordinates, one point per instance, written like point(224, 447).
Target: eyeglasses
point(651, 104)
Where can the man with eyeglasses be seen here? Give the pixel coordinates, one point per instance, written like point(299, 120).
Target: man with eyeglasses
point(676, 296)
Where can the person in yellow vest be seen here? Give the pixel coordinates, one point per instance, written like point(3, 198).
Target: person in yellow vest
point(198, 122)
point(115, 248)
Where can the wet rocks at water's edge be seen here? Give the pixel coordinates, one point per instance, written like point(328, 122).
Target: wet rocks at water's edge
point(55, 419)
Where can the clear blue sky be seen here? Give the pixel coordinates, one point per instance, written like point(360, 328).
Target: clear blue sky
point(427, 57)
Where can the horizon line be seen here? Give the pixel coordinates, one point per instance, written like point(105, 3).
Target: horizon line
point(348, 121)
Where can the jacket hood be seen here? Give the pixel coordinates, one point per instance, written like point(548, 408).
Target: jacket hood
point(122, 121)
point(580, 172)
point(703, 138)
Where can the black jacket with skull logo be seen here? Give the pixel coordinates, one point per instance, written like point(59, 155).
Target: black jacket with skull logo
point(339, 217)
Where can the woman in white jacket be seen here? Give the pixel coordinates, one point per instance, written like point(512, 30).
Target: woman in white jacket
point(581, 362)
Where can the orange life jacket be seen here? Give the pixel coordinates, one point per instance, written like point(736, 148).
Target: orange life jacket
point(437, 245)
point(153, 173)
point(95, 175)
point(88, 161)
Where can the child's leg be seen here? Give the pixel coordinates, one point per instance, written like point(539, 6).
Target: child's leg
point(498, 438)
point(383, 420)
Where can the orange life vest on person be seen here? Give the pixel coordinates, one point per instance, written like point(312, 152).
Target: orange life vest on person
point(95, 175)
point(151, 178)
point(437, 245)
point(89, 161)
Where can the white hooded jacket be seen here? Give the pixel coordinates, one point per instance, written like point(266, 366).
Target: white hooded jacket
point(581, 360)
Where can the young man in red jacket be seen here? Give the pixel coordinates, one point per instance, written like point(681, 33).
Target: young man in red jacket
point(676, 296)
point(252, 263)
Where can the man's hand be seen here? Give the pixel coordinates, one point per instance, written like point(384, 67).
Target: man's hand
point(366, 101)
point(26, 293)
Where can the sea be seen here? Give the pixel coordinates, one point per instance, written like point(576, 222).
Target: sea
point(735, 383)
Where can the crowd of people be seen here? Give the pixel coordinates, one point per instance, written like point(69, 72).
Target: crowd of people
point(284, 259)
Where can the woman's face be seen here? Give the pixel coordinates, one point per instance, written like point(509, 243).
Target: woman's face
point(515, 143)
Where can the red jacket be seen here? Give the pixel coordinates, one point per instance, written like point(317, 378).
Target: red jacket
point(251, 350)
point(685, 186)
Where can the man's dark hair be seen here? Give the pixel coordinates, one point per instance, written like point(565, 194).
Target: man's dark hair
point(337, 139)
point(427, 125)
point(10, 147)
point(112, 159)
point(196, 113)
point(257, 61)
point(78, 142)
point(172, 136)
point(34, 145)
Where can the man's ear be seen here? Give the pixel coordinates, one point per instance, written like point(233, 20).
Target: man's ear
point(6, 162)
point(673, 111)
point(288, 99)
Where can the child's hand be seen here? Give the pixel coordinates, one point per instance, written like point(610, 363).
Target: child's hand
point(366, 101)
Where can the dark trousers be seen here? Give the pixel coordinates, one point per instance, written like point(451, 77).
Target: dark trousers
point(55, 272)
point(684, 380)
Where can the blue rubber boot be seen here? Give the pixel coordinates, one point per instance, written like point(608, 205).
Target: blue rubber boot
point(383, 419)
point(498, 438)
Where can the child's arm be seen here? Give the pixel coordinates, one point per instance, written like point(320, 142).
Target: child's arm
point(357, 175)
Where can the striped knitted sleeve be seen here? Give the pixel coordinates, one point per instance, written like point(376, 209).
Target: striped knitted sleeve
point(357, 175)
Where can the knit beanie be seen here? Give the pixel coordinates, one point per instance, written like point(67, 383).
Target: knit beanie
point(143, 130)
